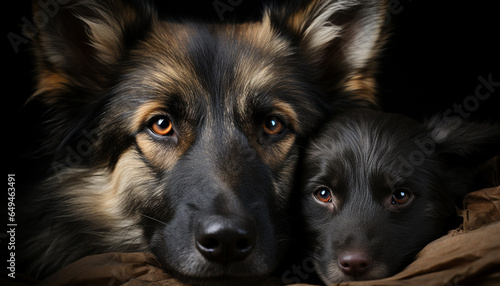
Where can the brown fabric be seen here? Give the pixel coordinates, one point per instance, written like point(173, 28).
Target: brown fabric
point(481, 208)
point(469, 255)
point(112, 269)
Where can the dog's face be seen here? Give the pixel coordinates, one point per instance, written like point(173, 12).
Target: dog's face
point(377, 189)
point(195, 127)
point(211, 124)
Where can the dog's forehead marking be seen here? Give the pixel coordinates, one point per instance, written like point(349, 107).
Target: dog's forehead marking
point(228, 67)
point(233, 58)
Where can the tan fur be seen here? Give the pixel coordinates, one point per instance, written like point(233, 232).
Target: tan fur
point(50, 82)
point(161, 157)
point(276, 155)
point(95, 197)
point(145, 112)
point(363, 87)
point(290, 114)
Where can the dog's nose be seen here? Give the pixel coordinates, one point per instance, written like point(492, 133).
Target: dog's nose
point(225, 240)
point(355, 263)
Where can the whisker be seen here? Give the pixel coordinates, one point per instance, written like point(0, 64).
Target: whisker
point(154, 219)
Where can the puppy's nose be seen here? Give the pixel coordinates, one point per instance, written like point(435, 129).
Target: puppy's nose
point(225, 240)
point(355, 263)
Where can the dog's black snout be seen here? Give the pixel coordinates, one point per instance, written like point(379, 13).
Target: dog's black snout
point(355, 263)
point(225, 240)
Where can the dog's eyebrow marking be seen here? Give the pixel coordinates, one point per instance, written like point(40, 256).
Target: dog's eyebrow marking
point(144, 112)
point(289, 112)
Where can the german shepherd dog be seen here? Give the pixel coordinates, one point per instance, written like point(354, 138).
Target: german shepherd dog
point(181, 137)
point(378, 187)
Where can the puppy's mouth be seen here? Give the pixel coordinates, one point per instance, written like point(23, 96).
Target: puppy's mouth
point(352, 269)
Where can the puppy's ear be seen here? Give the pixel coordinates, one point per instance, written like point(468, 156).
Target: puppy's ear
point(340, 38)
point(467, 143)
point(80, 44)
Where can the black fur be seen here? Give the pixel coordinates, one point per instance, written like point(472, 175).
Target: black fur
point(364, 160)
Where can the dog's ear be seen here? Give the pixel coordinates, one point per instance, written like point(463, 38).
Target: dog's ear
point(464, 143)
point(80, 43)
point(340, 38)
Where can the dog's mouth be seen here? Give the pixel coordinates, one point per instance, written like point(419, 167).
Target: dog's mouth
point(218, 250)
point(202, 272)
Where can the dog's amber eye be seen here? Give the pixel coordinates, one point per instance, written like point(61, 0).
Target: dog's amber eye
point(323, 195)
point(273, 125)
point(400, 197)
point(161, 125)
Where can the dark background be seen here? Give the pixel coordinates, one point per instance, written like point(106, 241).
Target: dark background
point(432, 61)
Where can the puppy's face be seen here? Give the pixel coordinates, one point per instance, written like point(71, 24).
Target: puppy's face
point(374, 195)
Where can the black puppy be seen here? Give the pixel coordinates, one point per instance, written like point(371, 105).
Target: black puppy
point(378, 187)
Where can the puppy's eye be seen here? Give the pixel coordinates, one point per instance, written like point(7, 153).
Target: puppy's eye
point(273, 125)
point(323, 195)
point(401, 197)
point(161, 125)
